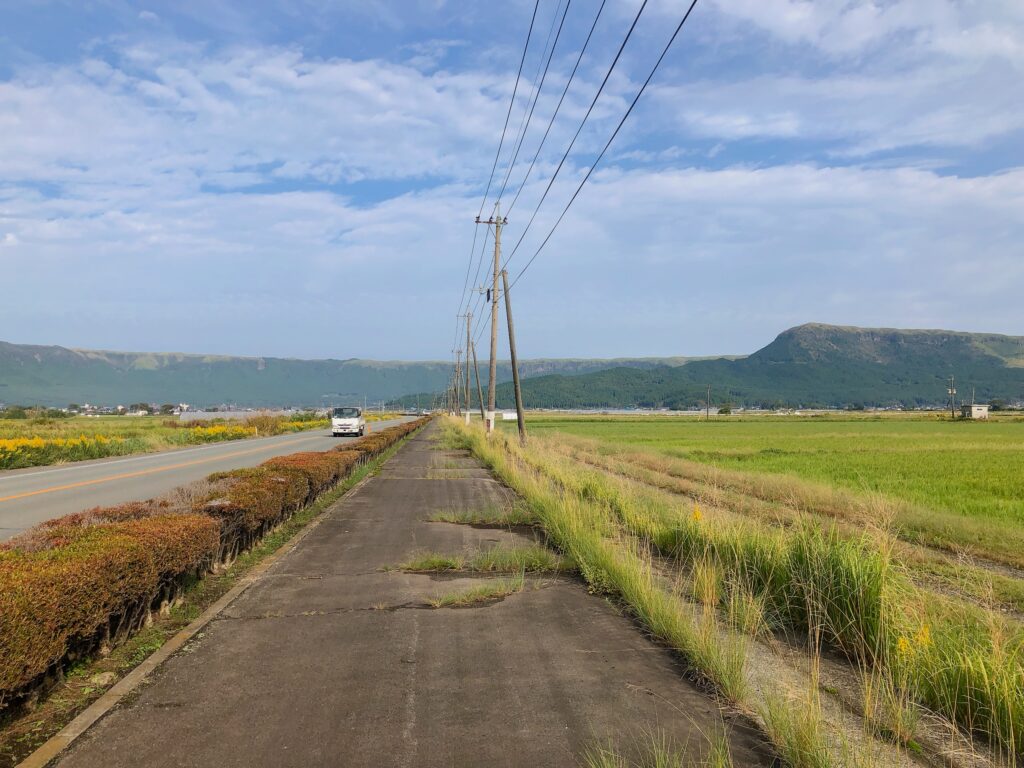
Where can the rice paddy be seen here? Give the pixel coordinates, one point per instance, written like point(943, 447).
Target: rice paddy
point(967, 468)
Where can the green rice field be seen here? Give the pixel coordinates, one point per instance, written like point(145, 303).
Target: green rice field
point(974, 469)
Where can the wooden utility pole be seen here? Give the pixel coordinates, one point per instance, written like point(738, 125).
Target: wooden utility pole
point(707, 405)
point(498, 223)
point(469, 321)
point(479, 391)
point(458, 382)
point(952, 398)
point(515, 362)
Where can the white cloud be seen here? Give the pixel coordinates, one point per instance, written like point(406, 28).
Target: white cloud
point(238, 190)
point(648, 262)
point(190, 119)
point(930, 107)
point(851, 27)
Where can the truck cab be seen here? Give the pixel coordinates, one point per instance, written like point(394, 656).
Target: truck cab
point(347, 421)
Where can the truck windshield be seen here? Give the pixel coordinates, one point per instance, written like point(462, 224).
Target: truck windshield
point(346, 413)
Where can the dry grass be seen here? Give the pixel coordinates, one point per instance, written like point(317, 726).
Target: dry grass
point(497, 559)
point(487, 592)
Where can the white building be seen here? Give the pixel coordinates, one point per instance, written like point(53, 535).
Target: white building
point(974, 411)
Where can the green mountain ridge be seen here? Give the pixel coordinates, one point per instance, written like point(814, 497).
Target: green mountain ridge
point(807, 366)
point(812, 365)
point(55, 376)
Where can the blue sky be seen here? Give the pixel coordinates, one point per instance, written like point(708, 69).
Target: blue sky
point(300, 179)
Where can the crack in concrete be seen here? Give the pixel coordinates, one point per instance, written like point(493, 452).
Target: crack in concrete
point(334, 612)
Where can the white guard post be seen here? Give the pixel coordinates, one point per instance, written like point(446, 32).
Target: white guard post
point(489, 421)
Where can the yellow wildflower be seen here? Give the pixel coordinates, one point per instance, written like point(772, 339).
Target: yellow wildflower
point(697, 514)
point(924, 636)
point(903, 646)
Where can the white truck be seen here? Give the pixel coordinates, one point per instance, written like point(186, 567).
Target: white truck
point(347, 421)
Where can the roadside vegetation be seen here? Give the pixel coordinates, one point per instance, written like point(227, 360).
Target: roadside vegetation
point(46, 440)
point(83, 584)
point(930, 672)
point(657, 750)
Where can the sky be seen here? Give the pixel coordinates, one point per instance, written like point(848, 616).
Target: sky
point(301, 179)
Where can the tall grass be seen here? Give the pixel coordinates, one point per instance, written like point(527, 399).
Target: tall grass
point(657, 750)
point(842, 590)
point(811, 578)
point(615, 564)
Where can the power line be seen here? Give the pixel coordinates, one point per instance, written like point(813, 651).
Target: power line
point(551, 122)
point(497, 154)
point(590, 109)
point(636, 98)
point(528, 114)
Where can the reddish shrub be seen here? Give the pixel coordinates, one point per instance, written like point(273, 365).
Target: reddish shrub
point(318, 468)
point(56, 598)
point(255, 497)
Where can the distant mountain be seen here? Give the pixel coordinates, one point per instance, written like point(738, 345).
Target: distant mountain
point(811, 365)
point(56, 376)
point(807, 366)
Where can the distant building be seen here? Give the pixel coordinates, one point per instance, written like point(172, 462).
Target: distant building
point(974, 411)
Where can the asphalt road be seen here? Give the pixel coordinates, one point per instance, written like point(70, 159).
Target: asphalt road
point(30, 496)
point(328, 659)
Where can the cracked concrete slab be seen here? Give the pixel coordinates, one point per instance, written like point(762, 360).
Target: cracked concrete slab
point(327, 660)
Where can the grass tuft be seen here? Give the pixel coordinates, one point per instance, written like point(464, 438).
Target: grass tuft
point(498, 559)
point(796, 730)
point(484, 593)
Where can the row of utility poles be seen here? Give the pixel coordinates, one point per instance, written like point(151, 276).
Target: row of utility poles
point(459, 390)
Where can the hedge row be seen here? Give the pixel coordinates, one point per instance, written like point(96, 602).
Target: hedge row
point(81, 583)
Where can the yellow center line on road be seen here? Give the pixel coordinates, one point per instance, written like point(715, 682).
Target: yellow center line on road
point(140, 473)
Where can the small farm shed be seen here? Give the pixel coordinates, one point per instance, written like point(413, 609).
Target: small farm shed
point(974, 411)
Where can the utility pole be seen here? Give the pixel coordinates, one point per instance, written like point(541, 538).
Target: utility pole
point(520, 418)
point(952, 398)
point(469, 322)
point(498, 223)
point(458, 381)
point(707, 405)
point(479, 391)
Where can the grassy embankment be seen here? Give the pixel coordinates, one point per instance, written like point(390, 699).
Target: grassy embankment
point(41, 441)
point(918, 656)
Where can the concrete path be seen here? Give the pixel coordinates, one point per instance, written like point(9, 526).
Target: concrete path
point(30, 496)
point(330, 661)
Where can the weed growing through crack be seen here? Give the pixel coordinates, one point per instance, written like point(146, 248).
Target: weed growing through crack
point(486, 592)
point(517, 514)
point(499, 559)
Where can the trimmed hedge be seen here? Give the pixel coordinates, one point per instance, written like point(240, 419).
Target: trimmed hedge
point(79, 583)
